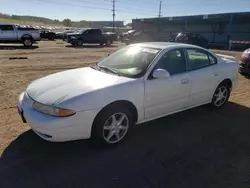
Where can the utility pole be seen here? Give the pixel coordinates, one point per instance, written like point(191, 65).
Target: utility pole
point(113, 10)
point(160, 9)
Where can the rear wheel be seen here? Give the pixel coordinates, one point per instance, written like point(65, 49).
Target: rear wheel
point(111, 126)
point(221, 95)
point(27, 42)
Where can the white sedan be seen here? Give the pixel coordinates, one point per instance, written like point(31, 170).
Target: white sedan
point(136, 84)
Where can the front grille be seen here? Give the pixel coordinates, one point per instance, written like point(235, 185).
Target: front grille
point(243, 65)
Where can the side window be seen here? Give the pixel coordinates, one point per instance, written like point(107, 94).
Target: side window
point(212, 60)
point(6, 27)
point(197, 59)
point(173, 61)
point(97, 32)
point(93, 32)
point(86, 32)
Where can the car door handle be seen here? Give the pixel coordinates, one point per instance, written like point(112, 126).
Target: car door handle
point(215, 74)
point(185, 81)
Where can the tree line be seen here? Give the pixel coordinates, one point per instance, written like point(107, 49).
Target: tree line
point(66, 22)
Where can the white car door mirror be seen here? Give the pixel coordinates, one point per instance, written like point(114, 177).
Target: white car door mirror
point(161, 73)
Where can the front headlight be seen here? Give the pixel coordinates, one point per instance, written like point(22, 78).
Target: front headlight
point(52, 111)
point(21, 96)
point(72, 37)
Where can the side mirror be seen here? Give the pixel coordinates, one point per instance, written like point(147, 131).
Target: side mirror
point(161, 73)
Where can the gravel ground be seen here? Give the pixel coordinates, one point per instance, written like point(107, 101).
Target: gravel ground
point(198, 148)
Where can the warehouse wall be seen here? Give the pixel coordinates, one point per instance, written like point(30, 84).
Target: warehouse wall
point(214, 33)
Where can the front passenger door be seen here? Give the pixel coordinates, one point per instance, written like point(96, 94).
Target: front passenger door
point(7, 33)
point(167, 95)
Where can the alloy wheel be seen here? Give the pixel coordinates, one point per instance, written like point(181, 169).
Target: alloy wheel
point(220, 96)
point(27, 42)
point(115, 128)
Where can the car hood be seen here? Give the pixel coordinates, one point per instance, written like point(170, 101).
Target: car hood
point(58, 87)
point(73, 34)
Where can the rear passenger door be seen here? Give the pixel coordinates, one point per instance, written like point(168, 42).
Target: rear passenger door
point(204, 75)
point(7, 32)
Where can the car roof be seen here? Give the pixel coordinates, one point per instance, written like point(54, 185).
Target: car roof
point(165, 45)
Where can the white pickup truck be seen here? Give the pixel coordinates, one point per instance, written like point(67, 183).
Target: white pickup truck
point(15, 34)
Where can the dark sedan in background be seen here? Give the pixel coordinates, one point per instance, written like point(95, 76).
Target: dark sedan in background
point(191, 38)
point(46, 34)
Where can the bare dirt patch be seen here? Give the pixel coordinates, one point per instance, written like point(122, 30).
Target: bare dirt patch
point(197, 148)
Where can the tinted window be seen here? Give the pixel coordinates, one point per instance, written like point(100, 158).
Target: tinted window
point(6, 27)
point(96, 31)
point(212, 60)
point(197, 59)
point(173, 61)
point(93, 32)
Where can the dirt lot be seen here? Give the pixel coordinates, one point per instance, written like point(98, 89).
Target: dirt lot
point(197, 148)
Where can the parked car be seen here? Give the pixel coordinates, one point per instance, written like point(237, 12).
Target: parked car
point(136, 84)
point(47, 34)
point(125, 35)
point(63, 35)
point(112, 35)
point(89, 36)
point(16, 34)
point(131, 37)
point(191, 38)
point(245, 62)
point(139, 36)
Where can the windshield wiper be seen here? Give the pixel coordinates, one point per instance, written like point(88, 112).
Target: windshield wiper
point(108, 69)
point(95, 67)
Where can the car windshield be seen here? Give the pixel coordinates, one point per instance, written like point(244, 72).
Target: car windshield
point(130, 61)
point(80, 31)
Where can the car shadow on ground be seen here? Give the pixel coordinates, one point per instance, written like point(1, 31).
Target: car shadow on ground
point(8, 47)
point(91, 46)
point(247, 76)
point(196, 148)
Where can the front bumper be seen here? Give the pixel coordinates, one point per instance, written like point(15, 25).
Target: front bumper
point(244, 68)
point(57, 129)
point(72, 41)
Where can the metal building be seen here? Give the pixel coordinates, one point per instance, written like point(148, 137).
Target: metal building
point(101, 24)
point(218, 29)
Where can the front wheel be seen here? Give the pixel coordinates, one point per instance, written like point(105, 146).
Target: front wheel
point(112, 125)
point(51, 38)
point(108, 43)
point(221, 96)
point(79, 42)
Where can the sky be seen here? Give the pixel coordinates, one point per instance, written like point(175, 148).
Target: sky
point(94, 10)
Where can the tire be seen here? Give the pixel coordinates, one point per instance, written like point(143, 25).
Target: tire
point(79, 42)
point(27, 42)
point(221, 95)
point(107, 130)
point(108, 43)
